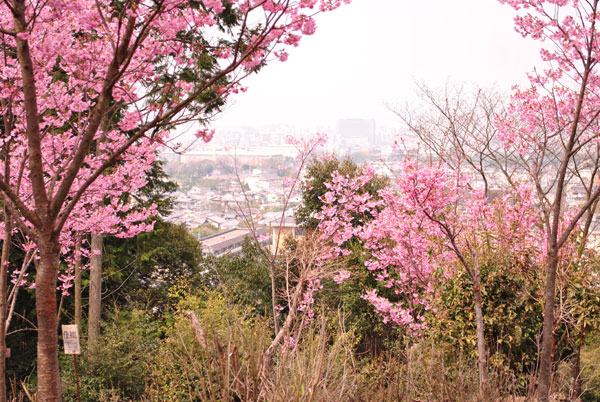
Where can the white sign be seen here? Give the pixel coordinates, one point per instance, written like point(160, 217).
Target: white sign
point(70, 334)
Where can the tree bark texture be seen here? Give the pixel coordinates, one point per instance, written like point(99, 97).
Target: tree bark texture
point(546, 359)
point(95, 298)
point(4, 301)
point(576, 370)
point(47, 321)
point(484, 385)
point(77, 284)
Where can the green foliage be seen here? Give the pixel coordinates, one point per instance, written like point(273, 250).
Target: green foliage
point(245, 278)
point(228, 366)
point(150, 352)
point(206, 66)
point(512, 317)
point(318, 172)
point(143, 269)
point(419, 369)
point(119, 369)
point(21, 339)
point(590, 363)
point(360, 315)
point(373, 335)
point(157, 190)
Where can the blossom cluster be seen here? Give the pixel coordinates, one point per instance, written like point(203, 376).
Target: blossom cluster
point(108, 83)
point(413, 232)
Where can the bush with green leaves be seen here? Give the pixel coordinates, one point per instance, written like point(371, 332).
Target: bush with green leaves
point(118, 371)
point(512, 317)
point(230, 363)
point(141, 270)
point(243, 278)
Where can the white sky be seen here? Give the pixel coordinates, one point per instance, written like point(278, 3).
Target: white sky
point(371, 51)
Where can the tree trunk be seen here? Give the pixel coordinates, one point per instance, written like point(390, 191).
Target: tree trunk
point(545, 376)
point(77, 284)
point(47, 322)
point(95, 298)
point(4, 301)
point(484, 384)
point(576, 371)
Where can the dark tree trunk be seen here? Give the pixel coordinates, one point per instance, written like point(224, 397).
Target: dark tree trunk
point(484, 384)
point(576, 371)
point(4, 301)
point(546, 358)
point(47, 322)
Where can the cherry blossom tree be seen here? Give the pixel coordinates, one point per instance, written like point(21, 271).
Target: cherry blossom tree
point(432, 221)
point(460, 127)
point(101, 209)
point(87, 84)
point(553, 124)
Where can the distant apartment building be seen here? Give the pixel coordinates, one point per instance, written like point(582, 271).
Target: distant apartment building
point(230, 241)
point(250, 155)
point(281, 229)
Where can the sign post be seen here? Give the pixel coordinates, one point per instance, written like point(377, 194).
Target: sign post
point(70, 334)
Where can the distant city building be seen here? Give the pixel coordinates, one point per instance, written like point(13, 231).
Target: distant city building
point(280, 229)
point(356, 134)
point(249, 155)
point(169, 156)
point(230, 242)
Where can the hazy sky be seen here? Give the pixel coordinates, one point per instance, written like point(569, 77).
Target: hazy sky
point(371, 51)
